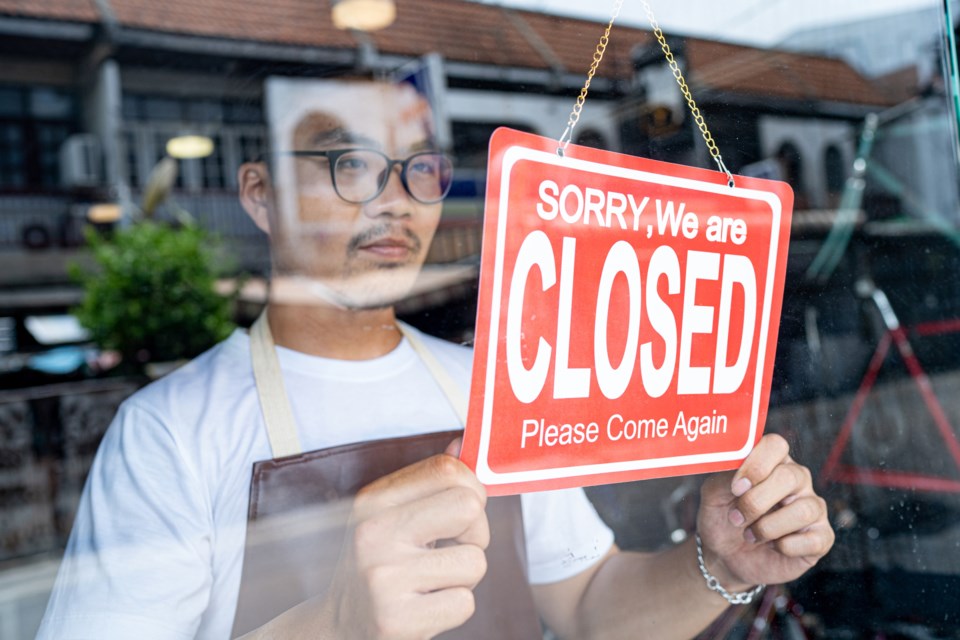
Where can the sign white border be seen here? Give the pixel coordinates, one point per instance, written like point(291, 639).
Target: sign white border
point(511, 156)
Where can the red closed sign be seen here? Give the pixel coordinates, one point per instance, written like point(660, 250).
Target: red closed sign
point(627, 318)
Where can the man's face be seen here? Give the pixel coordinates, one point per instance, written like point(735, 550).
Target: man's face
point(364, 255)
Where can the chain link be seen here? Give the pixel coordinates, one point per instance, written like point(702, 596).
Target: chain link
point(698, 118)
point(597, 57)
point(694, 110)
point(744, 597)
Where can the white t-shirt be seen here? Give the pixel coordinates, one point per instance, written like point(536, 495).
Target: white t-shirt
point(157, 547)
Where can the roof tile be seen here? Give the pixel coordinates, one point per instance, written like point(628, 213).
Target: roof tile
point(575, 42)
point(71, 10)
point(484, 34)
point(779, 74)
point(295, 22)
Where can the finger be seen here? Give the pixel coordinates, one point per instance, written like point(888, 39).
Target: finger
point(424, 616)
point(715, 490)
point(404, 530)
point(771, 451)
point(432, 475)
point(784, 481)
point(456, 513)
point(453, 449)
point(814, 543)
point(462, 565)
point(800, 514)
point(443, 610)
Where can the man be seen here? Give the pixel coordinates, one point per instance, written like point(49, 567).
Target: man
point(351, 200)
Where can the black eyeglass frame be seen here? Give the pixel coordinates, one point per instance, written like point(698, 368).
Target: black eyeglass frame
point(333, 155)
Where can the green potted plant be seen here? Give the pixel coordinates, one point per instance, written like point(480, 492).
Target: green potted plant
point(151, 295)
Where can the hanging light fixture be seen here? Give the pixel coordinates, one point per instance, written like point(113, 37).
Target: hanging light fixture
point(104, 213)
point(190, 146)
point(363, 15)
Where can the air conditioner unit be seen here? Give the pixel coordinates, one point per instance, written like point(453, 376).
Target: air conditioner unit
point(80, 161)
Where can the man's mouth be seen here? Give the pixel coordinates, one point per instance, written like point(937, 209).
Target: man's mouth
point(391, 248)
point(391, 244)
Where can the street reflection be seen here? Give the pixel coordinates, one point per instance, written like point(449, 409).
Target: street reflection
point(856, 114)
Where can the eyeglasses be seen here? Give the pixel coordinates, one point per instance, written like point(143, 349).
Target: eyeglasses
point(360, 175)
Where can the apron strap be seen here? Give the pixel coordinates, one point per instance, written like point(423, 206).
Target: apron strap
point(277, 416)
point(275, 405)
point(447, 385)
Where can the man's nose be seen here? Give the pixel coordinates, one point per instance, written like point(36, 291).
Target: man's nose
point(394, 200)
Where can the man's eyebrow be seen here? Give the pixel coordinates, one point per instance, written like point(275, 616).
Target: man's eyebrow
point(424, 145)
point(339, 136)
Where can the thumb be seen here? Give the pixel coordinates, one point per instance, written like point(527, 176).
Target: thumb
point(453, 449)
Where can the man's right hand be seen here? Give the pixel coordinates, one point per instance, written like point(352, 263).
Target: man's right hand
point(413, 554)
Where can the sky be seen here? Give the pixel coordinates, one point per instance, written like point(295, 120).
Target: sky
point(762, 22)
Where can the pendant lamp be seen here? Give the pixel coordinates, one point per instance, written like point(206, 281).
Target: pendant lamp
point(189, 146)
point(363, 15)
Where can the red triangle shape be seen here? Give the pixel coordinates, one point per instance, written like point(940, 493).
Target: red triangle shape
point(835, 471)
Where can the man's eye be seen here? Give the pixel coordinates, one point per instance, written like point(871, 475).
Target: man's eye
point(352, 163)
point(423, 166)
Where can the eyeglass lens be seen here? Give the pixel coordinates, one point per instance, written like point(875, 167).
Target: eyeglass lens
point(361, 174)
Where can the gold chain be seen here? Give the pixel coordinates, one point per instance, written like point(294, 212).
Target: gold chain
point(597, 57)
point(694, 110)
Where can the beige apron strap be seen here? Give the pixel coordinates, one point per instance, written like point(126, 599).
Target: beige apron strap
point(277, 416)
point(449, 387)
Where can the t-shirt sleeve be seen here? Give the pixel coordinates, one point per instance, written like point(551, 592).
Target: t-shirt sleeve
point(137, 564)
point(564, 533)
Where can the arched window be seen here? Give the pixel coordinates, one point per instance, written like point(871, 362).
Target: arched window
point(835, 169)
point(591, 138)
point(791, 166)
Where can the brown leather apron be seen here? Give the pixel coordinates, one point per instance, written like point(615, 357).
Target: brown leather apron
point(300, 504)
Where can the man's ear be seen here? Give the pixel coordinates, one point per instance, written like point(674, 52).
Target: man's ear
point(256, 194)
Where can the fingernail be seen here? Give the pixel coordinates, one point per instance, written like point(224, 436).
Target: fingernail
point(453, 449)
point(741, 486)
point(749, 537)
point(736, 517)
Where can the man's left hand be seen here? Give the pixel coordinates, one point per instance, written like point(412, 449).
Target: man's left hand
point(762, 524)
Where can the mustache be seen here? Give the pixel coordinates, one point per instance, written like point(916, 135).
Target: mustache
point(383, 230)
